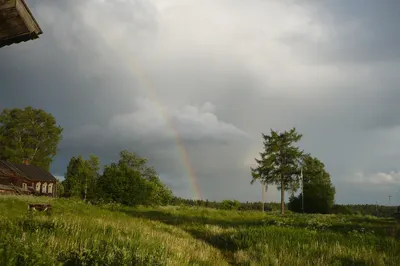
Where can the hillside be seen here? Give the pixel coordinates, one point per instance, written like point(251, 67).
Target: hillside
point(79, 234)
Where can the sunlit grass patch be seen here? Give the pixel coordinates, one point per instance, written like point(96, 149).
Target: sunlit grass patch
point(77, 233)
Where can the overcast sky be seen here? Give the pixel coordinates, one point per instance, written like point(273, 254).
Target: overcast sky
point(215, 74)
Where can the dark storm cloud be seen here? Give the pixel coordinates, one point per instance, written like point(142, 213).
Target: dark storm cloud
point(362, 34)
point(357, 32)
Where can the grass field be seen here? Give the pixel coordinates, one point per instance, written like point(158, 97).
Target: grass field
point(79, 234)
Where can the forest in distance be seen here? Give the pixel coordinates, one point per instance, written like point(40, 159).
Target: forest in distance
point(131, 181)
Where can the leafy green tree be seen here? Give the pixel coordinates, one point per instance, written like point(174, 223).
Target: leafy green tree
point(91, 177)
point(160, 194)
point(81, 177)
point(319, 193)
point(132, 182)
point(280, 162)
point(72, 182)
point(29, 134)
point(121, 184)
point(59, 189)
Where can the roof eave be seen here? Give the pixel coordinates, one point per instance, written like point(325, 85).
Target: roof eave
point(33, 28)
point(33, 18)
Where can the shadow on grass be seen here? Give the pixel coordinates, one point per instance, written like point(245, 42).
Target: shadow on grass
point(220, 241)
point(379, 227)
point(229, 245)
point(380, 222)
point(176, 219)
point(226, 241)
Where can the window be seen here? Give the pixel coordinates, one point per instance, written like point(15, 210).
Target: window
point(38, 187)
point(44, 188)
point(50, 188)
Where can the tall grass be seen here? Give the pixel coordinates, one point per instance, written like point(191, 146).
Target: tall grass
point(80, 234)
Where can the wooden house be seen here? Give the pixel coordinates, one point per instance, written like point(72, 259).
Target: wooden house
point(26, 179)
point(17, 23)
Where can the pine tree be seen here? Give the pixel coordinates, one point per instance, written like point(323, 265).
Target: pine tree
point(280, 162)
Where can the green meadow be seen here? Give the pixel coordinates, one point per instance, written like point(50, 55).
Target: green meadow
point(76, 233)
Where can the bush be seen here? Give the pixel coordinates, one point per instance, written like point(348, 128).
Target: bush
point(229, 205)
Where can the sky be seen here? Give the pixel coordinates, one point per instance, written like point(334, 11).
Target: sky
point(191, 85)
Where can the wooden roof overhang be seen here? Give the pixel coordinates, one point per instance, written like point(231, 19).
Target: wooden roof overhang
point(17, 23)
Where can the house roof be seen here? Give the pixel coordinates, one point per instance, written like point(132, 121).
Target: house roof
point(31, 172)
point(6, 187)
point(35, 173)
point(17, 24)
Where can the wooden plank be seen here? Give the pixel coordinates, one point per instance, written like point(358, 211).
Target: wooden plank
point(11, 24)
point(20, 31)
point(6, 14)
point(27, 17)
point(4, 4)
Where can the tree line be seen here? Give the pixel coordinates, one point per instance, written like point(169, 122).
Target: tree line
point(33, 134)
point(130, 181)
point(225, 204)
point(359, 209)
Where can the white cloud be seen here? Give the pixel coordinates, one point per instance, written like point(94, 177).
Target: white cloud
point(379, 178)
point(158, 33)
point(190, 122)
point(59, 177)
point(152, 122)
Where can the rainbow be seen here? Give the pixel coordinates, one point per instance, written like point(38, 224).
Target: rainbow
point(183, 153)
point(146, 84)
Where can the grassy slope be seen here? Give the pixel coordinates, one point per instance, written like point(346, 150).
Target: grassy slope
point(77, 233)
point(113, 235)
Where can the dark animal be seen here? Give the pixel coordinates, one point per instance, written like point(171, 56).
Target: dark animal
point(39, 207)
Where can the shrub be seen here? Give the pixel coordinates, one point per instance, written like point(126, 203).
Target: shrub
point(229, 205)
